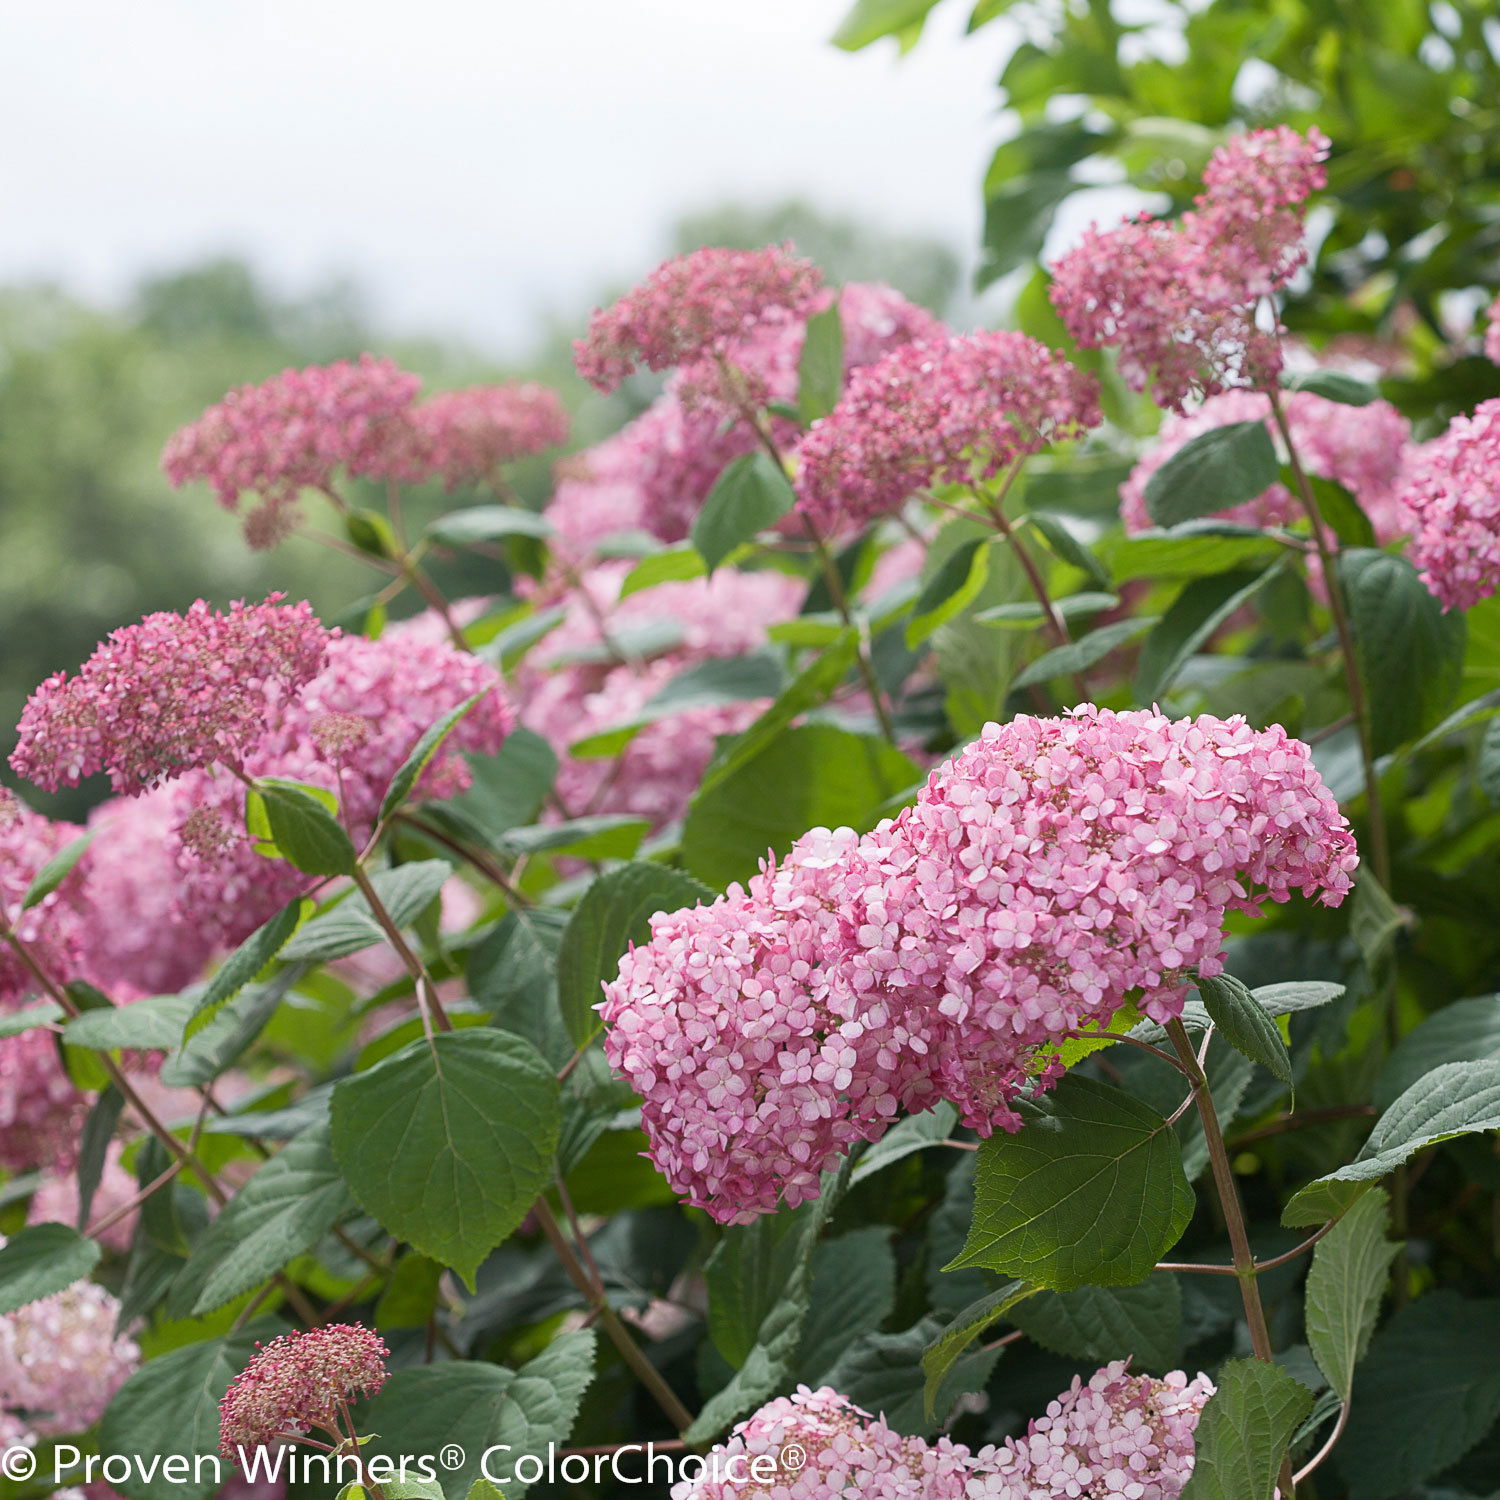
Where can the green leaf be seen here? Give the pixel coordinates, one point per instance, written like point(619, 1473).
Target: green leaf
point(507, 792)
point(812, 776)
point(1374, 919)
point(939, 1357)
point(954, 586)
point(152, 1025)
point(487, 523)
point(170, 1407)
point(1426, 1393)
point(1487, 771)
point(600, 836)
point(1410, 653)
point(853, 1292)
point(870, 20)
point(301, 828)
point(1333, 385)
point(1028, 614)
point(1195, 549)
point(482, 1407)
point(915, 1133)
point(55, 871)
point(671, 565)
point(1142, 1323)
point(1091, 1190)
point(1202, 608)
point(93, 1149)
point(448, 1142)
point(1348, 1274)
point(820, 369)
point(513, 975)
point(405, 891)
point(221, 1041)
point(371, 532)
point(615, 912)
point(405, 780)
point(1067, 546)
point(1079, 655)
point(247, 961)
point(1220, 468)
point(1247, 1028)
point(1460, 1098)
point(290, 1203)
point(883, 1372)
point(411, 1294)
point(42, 1259)
point(751, 494)
point(1466, 1031)
point(1340, 510)
point(43, 1013)
point(1244, 1432)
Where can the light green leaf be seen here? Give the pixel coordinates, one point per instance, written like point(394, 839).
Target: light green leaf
point(954, 586)
point(405, 891)
point(820, 369)
point(301, 828)
point(1080, 655)
point(1220, 468)
point(153, 1025)
point(615, 912)
point(870, 20)
point(1091, 1190)
point(448, 1143)
point(1348, 1274)
point(939, 1357)
point(600, 836)
point(55, 871)
point(43, 1013)
point(1333, 385)
point(751, 494)
point(671, 565)
point(915, 1133)
point(1202, 608)
point(487, 523)
point(1244, 1432)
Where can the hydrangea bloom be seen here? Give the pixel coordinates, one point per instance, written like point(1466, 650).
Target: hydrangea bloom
point(1177, 299)
point(464, 437)
point(1059, 867)
point(291, 432)
point(396, 686)
point(171, 694)
point(1118, 1435)
point(299, 1382)
point(1452, 499)
point(1363, 448)
point(938, 413)
point(692, 306)
point(41, 1112)
point(756, 1062)
point(60, 1362)
point(655, 473)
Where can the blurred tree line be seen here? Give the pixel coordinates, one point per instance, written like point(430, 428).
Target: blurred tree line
point(93, 536)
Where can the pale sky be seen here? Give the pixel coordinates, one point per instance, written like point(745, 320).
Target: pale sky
point(475, 164)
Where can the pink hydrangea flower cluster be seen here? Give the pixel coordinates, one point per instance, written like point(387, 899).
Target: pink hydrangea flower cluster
point(1116, 1437)
point(1048, 874)
point(172, 694)
point(299, 1382)
point(693, 306)
point(655, 473)
point(1452, 500)
point(292, 432)
point(574, 686)
point(1363, 448)
point(465, 437)
point(1177, 299)
point(938, 413)
point(61, 1363)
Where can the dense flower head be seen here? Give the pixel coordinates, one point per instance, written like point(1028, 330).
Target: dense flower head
point(1177, 299)
point(1115, 1437)
point(291, 432)
point(299, 1382)
point(1452, 501)
point(60, 1361)
point(1057, 868)
point(1363, 448)
point(817, 1445)
point(938, 413)
point(396, 688)
point(174, 693)
point(464, 437)
point(756, 1062)
point(691, 306)
point(655, 473)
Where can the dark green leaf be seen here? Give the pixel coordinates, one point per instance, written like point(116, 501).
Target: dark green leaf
point(93, 1149)
point(751, 494)
point(303, 830)
point(952, 588)
point(1203, 607)
point(1091, 1190)
point(1142, 1323)
point(1334, 385)
point(1068, 547)
point(1466, 1031)
point(248, 960)
point(1245, 1025)
point(42, 1259)
point(1410, 652)
point(601, 836)
point(1244, 1432)
point(1080, 655)
point(853, 1292)
point(1344, 1285)
point(1220, 468)
point(915, 1133)
point(820, 370)
point(615, 912)
point(449, 1142)
point(431, 741)
point(405, 891)
point(939, 1357)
